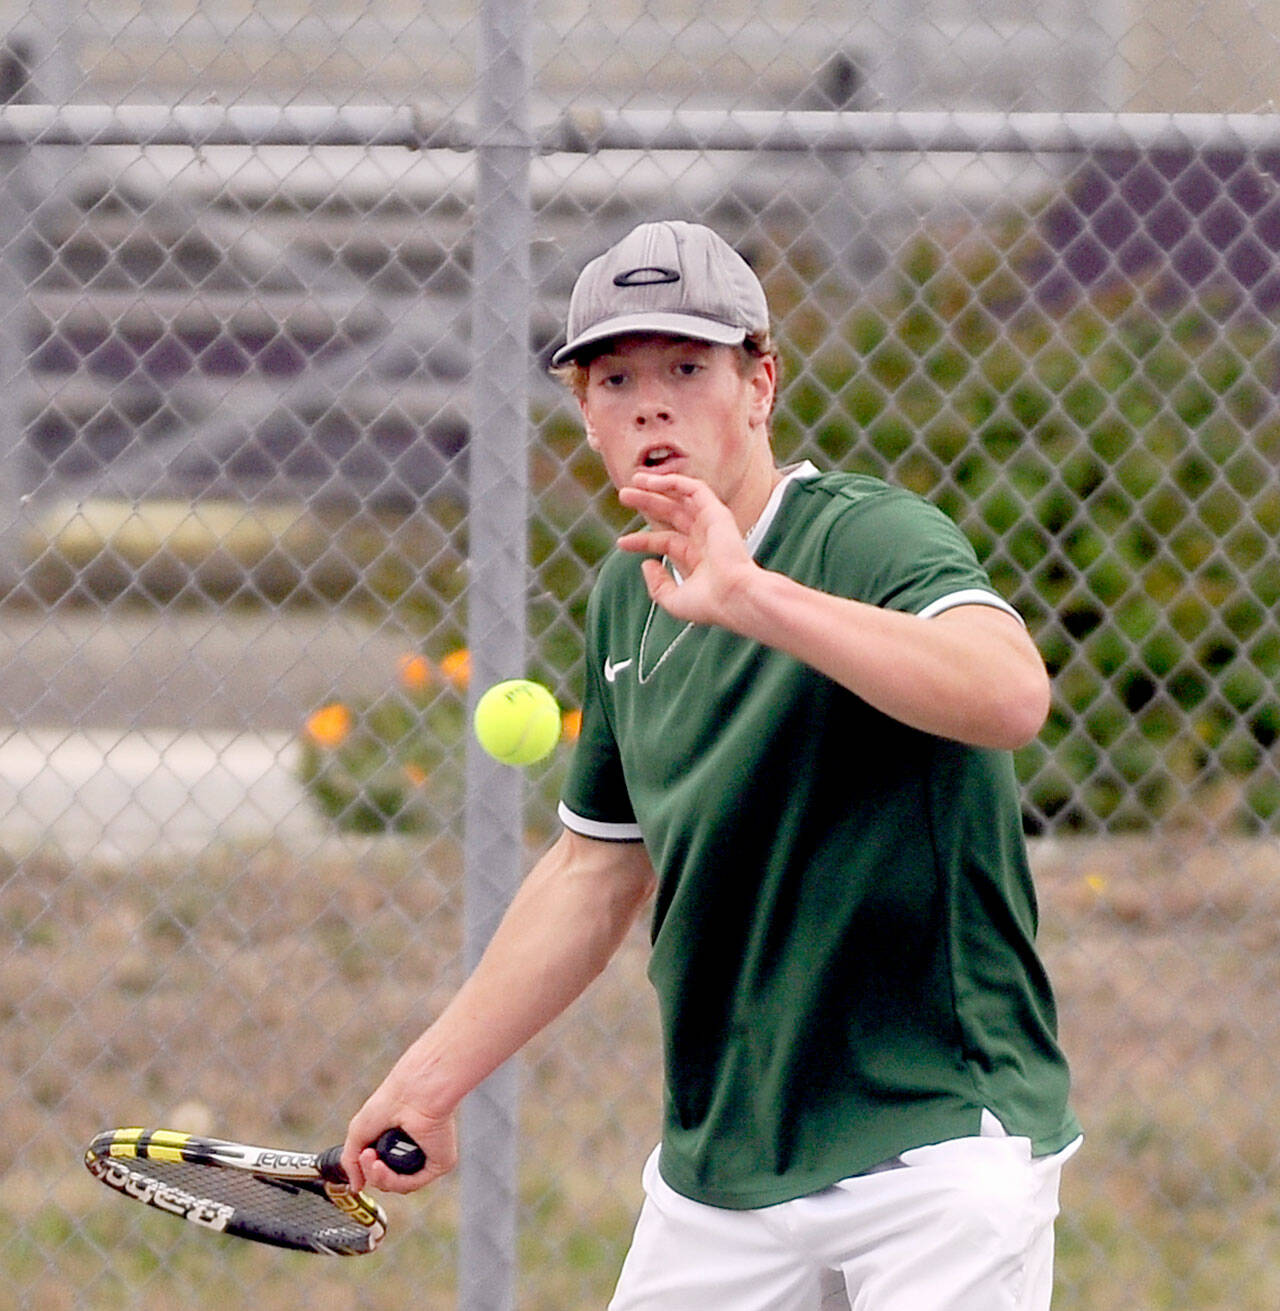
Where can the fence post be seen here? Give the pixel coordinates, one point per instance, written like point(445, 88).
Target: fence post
point(498, 534)
point(37, 63)
point(14, 242)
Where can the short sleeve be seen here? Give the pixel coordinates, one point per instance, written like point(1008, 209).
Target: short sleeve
point(595, 801)
point(902, 553)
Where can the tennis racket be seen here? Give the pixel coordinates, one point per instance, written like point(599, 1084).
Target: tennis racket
point(298, 1200)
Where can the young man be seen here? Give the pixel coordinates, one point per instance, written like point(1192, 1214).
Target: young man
point(801, 692)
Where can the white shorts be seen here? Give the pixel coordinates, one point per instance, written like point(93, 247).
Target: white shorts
point(965, 1225)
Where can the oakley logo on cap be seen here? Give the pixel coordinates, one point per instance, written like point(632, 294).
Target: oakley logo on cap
point(651, 276)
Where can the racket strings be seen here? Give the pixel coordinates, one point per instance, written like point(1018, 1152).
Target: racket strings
point(291, 1212)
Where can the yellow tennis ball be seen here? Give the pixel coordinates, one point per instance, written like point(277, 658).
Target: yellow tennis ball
point(517, 722)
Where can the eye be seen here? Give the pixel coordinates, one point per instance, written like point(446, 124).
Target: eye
point(688, 368)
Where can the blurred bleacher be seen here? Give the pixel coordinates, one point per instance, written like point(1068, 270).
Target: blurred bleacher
point(293, 324)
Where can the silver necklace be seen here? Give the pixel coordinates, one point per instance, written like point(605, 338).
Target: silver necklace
point(641, 677)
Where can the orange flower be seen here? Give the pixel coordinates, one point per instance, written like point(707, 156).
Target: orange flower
point(572, 722)
point(456, 667)
point(414, 671)
point(415, 774)
point(329, 726)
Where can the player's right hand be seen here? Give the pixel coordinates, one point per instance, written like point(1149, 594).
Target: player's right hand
point(438, 1139)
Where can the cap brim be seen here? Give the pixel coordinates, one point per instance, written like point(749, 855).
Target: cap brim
point(693, 326)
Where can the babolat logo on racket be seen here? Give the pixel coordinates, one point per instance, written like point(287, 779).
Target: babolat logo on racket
point(285, 1162)
point(199, 1210)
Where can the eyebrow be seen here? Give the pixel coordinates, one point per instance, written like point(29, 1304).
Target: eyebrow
point(678, 345)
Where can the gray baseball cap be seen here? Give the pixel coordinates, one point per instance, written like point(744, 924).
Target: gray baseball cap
point(671, 277)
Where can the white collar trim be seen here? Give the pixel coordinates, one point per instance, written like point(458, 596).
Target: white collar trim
point(792, 473)
point(755, 534)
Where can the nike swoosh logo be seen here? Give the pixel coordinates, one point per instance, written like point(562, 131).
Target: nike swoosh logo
point(611, 671)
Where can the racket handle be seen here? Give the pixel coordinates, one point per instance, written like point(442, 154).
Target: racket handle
point(394, 1147)
point(398, 1151)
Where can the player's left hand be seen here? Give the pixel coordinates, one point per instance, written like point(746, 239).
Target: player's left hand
point(696, 533)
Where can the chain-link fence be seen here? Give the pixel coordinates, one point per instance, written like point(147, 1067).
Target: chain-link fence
point(282, 480)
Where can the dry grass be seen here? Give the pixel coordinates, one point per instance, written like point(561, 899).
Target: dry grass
point(1165, 958)
point(258, 995)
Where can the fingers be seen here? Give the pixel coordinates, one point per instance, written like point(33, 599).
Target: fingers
point(378, 1175)
point(680, 512)
point(651, 542)
point(693, 533)
point(674, 484)
point(670, 499)
point(655, 508)
point(437, 1138)
point(351, 1152)
point(659, 582)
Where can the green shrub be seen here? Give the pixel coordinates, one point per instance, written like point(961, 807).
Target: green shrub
point(396, 763)
point(390, 765)
point(1114, 466)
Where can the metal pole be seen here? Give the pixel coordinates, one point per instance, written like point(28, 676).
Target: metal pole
point(497, 587)
point(13, 305)
point(584, 132)
point(17, 56)
point(38, 63)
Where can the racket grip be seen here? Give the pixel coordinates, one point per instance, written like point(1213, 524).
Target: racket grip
point(399, 1152)
point(394, 1147)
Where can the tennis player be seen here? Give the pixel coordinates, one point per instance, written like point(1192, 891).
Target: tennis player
point(801, 695)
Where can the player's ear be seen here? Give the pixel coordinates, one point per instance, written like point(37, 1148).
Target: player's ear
point(764, 384)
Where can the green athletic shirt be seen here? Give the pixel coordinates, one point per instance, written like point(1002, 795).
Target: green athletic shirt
point(843, 933)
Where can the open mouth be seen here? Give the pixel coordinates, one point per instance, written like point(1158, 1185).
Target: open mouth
point(657, 456)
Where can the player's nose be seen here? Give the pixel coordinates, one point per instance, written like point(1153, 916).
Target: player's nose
point(652, 416)
point(652, 406)
point(652, 401)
